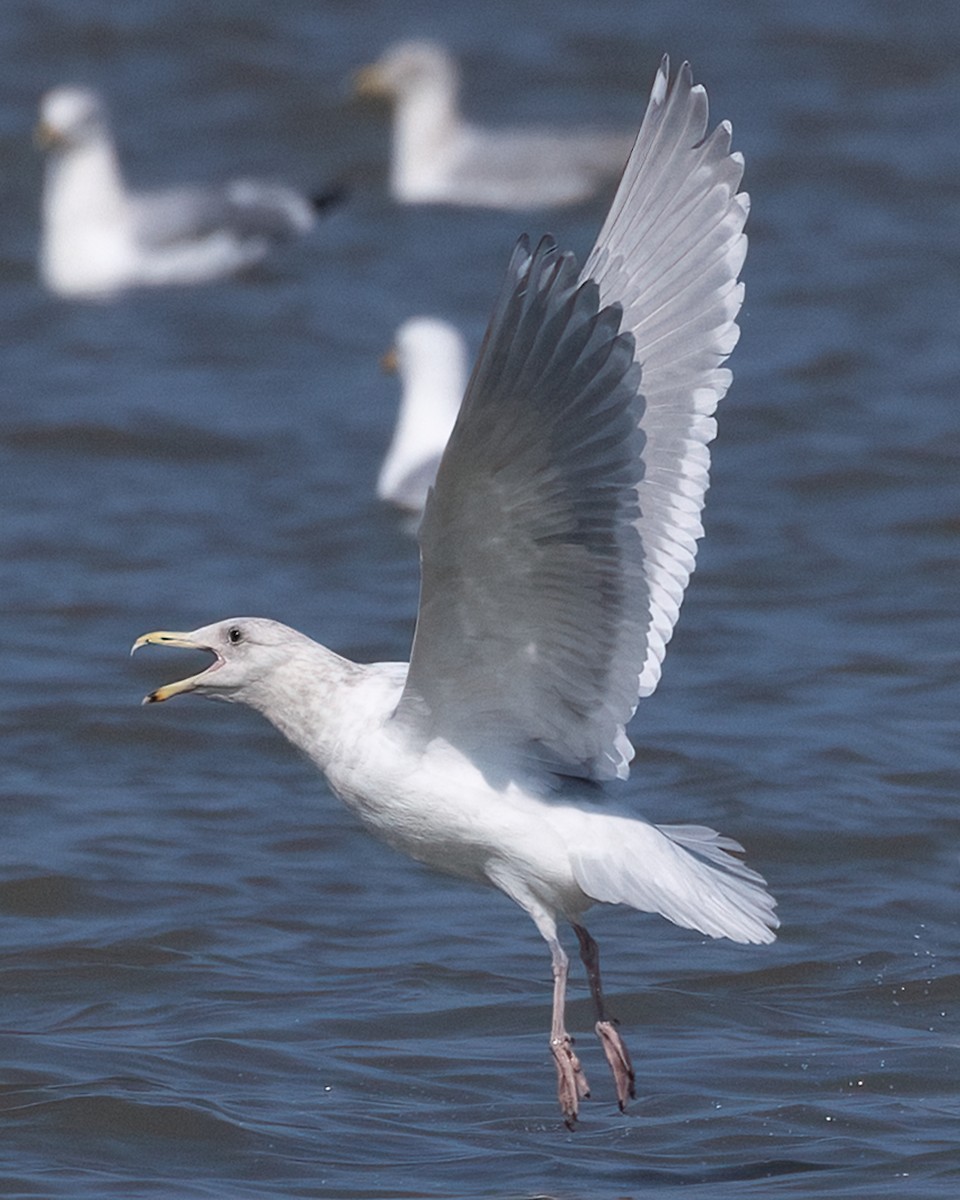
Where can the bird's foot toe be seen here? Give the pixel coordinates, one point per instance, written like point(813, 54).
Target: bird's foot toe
point(572, 1084)
point(618, 1057)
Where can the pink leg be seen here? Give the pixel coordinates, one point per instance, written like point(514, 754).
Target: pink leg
point(572, 1085)
point(614, 1049)
point(571, 1082)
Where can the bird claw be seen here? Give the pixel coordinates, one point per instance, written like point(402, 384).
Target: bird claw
point(572, 1084)
point(619, 1059)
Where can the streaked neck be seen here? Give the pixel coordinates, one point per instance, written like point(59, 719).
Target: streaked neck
point(305, 699)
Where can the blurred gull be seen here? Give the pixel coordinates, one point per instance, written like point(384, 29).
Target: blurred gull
point(98, 237)
point(555, 550)
point(437, 157)
point(430, 356)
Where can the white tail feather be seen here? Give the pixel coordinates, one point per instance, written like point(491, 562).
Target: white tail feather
point(687, 873)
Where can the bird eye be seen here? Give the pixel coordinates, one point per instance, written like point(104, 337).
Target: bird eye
point(234, 635)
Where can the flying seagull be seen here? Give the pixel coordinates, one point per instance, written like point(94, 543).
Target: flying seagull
point(439, 158)
point(430, 356)
point(555, 546)
point(99, 237)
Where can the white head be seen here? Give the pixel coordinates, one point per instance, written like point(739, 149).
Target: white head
point(409, 68)
point(247, 651)
point(71, 116)
point(431, 345)
point(430, 356)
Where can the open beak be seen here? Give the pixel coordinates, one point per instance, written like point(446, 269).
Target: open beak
point(184, 641)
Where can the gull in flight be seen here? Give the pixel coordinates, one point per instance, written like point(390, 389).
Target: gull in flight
point(555, 545)
point(430, 356)
point(99, 237)
point(439, 158)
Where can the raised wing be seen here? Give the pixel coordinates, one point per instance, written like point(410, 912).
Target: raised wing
point(670, 252)
point(562, 531)
point(533, 594)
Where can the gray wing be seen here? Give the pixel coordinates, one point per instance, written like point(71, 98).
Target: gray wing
point(562, 530)
point(243, 209)
point(533, 592)
point(670, 252)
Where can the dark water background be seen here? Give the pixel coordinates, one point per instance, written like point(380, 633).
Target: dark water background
point(212, 984)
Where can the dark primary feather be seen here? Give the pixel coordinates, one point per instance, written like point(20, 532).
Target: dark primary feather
point(532, 583)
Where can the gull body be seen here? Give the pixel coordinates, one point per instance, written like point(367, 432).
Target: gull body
point(99, 237)
point(477, 817)
point(438, 157)
point(555, 549)
point(430, 357)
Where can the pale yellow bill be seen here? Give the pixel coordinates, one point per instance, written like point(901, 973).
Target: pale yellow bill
point(164, 638)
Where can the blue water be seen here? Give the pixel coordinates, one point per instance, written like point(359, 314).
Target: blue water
point(212, 983)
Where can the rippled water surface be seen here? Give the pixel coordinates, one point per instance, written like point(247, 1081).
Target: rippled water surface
point(212, 984)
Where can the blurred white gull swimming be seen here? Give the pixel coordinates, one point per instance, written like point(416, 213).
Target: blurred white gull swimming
point(98, 237)
point(437, 157)
point(555, 550)
point(430, 356)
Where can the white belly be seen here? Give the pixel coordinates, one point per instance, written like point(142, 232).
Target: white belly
point(438, 808)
